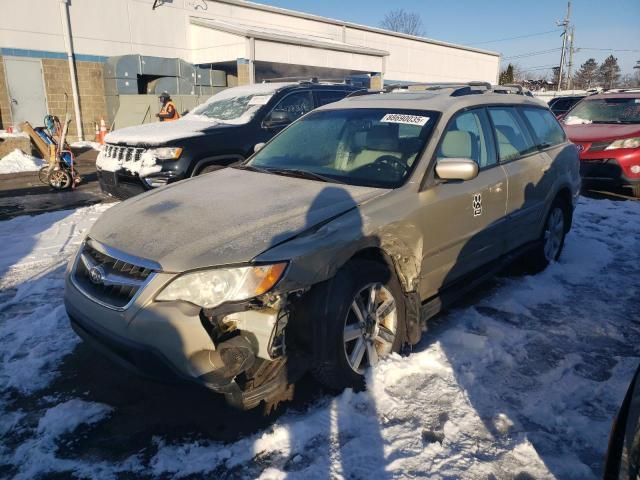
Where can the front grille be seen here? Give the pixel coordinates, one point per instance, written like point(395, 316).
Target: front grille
point(606, 168)
point(599, 146)
point(123, 153)
point(107, 279)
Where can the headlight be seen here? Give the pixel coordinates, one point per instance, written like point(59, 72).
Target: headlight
point(166, 153)
point(210, 288)
point(633, 142)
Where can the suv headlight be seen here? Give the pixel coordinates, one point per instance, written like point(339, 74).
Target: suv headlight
point(633, 142)
point(210, 288)
point(166, 153)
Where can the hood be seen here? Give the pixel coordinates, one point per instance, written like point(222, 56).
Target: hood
point(600, 132)
point(227, 217)
point(162, 133)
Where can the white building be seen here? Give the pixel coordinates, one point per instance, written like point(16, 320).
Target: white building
point(249, 41)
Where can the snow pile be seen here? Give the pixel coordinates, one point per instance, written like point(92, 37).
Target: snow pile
point(523, 382)
point(18, 161)
point(5, 134)
point(87, 144)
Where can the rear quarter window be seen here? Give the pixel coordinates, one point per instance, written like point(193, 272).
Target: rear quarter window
point(544, 125)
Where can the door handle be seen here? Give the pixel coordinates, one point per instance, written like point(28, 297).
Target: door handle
point(14, 101)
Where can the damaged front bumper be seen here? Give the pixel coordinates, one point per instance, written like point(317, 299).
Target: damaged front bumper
point(237, 350)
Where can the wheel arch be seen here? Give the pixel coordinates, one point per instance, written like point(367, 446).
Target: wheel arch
point(223, 160)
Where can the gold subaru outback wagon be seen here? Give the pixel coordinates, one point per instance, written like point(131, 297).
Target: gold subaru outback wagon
point(331, 246)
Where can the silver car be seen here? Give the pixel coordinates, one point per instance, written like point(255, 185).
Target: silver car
point(329, 248)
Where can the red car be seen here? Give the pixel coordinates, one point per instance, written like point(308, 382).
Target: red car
point(606, 128)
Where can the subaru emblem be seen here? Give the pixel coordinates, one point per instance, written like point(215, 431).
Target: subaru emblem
point(96, 275)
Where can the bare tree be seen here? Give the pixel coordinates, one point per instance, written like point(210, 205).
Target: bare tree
point(399, 20)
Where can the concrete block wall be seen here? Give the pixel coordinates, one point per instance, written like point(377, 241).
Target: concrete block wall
point(90, 89)
point(5, 108)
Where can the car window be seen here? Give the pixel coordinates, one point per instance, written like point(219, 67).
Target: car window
point(605, 110)
point(329, 96)
point(294, 105)
point(357, 146)
point(513, 140)
point(546, 128)
point(466, 137)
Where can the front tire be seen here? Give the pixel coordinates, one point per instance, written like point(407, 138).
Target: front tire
point(364, 323)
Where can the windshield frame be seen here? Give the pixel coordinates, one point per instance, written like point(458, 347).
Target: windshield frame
point(584, 101)
point(434, 118)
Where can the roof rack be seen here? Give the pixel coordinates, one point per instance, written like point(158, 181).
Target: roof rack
point(307, 80)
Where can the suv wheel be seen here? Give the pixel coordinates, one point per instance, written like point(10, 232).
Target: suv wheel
point(365, 323)
point(553, 235)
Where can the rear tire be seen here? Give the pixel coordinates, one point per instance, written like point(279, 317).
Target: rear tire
point(359, 331)
point(551, 242)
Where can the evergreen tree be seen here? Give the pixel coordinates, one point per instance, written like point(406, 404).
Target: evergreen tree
point(609, 72)
point(586, 77)
point(506, 76)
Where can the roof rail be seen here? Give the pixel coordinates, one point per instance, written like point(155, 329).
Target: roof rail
point(360, 93)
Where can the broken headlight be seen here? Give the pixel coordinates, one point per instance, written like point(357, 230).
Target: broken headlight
point(210, 288)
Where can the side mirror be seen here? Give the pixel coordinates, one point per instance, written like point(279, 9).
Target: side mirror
point(456, 169)
point(278, 118)
point(258, 147)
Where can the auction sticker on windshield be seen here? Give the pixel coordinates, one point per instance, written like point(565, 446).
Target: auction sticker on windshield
point(260, 99)
point(402, 118)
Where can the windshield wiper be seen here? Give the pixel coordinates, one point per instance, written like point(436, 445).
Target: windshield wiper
point(251, 168)
point(294, 172)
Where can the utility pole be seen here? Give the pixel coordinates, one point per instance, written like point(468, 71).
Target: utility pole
point(571, 51)
point(565, 24)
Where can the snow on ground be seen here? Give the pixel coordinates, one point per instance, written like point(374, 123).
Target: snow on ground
point(5, 134)
point(522, 382)
point(87, 144)
point(18, 161)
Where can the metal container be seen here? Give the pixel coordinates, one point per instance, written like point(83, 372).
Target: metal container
point(218, 78)
point(203, 77)
point(187, 71)
point(124, 66)
point(165, 67)
point(121, 86)
point(171, 85)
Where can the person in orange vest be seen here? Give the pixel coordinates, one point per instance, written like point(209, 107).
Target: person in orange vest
point(168, 112)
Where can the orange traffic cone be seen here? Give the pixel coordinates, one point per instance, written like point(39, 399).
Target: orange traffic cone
point(97, 132)
point(103, 131)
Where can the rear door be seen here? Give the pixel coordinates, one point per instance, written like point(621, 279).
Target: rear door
point(463, 221)
point(525, 167)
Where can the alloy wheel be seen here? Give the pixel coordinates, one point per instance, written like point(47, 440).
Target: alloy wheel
point(370, 327)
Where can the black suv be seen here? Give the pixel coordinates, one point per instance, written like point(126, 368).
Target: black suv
point(221, 131)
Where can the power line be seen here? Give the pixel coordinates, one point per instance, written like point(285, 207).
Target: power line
point(609, 49)
point(532, 54)
point(514, 38)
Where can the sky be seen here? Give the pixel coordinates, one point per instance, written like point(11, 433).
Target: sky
point(614, 24)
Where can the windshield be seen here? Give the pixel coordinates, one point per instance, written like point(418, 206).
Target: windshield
point(605, 110)
point(370, 147)
point(234, 105)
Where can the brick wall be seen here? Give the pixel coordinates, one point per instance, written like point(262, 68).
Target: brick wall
point(5, 108)
point(90, 89)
